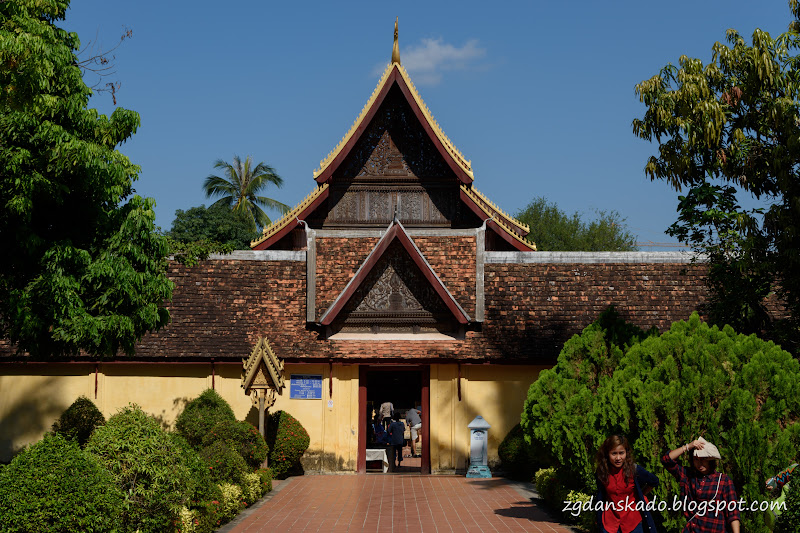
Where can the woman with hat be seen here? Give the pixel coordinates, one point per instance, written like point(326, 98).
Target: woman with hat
point(708, 497)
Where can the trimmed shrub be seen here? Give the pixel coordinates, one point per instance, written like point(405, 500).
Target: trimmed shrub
point(202, 414)
point(147, 465)
point(288, 440)
point(201, 486)
point(242, 437)
point(266, 476)
point(53, 486)
point(739, 392)
point(516, 455)
point(224, 463)
point(79, 420)
point(231, 502)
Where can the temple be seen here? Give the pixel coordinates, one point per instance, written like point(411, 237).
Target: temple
point(393, 280)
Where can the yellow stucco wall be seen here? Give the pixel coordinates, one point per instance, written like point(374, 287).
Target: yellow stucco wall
point(32, 396)
point(495, 392)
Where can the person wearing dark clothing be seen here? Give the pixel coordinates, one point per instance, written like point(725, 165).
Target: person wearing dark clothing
point(702, 483)
point(396, 437)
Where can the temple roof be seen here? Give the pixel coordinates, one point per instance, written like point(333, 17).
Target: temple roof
point(396, 231)
point(291, 219)
point(506, 226)
point(396, 74)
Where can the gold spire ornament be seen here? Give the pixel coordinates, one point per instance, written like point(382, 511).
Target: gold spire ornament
point(396, 47)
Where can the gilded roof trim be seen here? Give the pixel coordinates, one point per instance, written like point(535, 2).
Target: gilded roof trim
point(471, 194)
point(291, 216)
point(492, 206)
point(463, 163)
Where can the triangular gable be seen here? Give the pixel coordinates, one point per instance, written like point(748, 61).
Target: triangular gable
point(396, 231)
point(395, 74)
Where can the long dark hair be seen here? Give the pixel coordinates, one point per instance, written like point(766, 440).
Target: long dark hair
point(602, 463)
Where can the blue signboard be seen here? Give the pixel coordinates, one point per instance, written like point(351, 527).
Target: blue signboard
point(305, 386)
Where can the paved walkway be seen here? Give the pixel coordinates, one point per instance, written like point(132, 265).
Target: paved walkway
point(395, 503)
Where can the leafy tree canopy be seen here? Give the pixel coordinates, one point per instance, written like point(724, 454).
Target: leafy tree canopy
point(554, 230)
point(729, 125)
point(217, 223)
point(240, 186)
point(82, 267)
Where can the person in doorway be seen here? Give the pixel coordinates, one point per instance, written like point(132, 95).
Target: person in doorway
point(386, 412)
point(414, 421)
point(396, 431)
point(702, 483)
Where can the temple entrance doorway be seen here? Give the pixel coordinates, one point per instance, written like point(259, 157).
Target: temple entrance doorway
point(405, 387)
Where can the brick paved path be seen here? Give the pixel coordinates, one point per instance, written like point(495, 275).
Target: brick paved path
point(395, 503)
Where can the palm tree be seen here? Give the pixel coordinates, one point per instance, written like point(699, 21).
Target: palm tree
point(240, 185)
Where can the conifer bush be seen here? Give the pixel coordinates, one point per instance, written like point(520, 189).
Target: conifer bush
point(739, 392)
point(79, 420)
point(201, 415)
point(147, 465)
point(55, 487)
point(288, 440)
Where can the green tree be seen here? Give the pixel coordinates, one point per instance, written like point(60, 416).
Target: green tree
point(82, 267)
point(240, 186)
point(727, 126)
point(213, 224)
point(554, 230)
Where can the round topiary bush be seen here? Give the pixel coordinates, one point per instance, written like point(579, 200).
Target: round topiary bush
point(54, 486)
point(288, 440)
point(242, 437)
point(79, 420)
point(202, 414)
point(224, 463)
point(516, 456)
point(147, 465)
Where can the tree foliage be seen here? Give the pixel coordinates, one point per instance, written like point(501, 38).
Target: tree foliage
point(82, 268)
point(740, 392)
point(240, 185)
point(217, 223)
point(732, 125)
point(554, 230)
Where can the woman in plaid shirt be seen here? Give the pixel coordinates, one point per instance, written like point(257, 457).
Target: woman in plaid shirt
point(700, 485)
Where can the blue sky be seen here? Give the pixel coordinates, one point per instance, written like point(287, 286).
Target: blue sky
point(539, 95)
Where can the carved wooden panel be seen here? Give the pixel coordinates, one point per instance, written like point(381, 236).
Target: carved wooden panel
point(395, 297)
point(371, 204)
point(395, 144)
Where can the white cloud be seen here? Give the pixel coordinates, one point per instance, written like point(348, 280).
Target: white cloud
point(427, 61)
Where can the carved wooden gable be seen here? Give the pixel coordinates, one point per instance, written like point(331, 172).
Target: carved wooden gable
point(395, 297)
point(393, 167)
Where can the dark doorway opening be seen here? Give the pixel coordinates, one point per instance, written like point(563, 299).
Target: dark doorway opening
point(405, 388)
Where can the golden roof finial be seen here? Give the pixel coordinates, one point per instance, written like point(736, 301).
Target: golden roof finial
point(396, 47)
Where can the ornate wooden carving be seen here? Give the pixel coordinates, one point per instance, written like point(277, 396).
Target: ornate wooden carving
point(393, 167)
point(395, 297)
